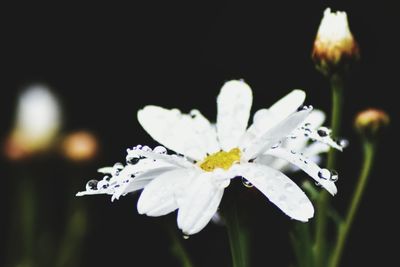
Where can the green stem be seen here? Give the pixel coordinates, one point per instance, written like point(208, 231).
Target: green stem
point(238, 237)
point(71, 245)
point(369, 152)
point(27, 221)
point(323, 201)
point(301, 240)
point(178, 249)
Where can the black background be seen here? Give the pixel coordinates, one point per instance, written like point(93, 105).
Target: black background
point(105, 61)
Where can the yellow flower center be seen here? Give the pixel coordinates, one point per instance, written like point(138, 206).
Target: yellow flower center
point(222, 159)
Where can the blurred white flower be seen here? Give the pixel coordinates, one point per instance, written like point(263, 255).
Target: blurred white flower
point(214, 154)
point(38, 120)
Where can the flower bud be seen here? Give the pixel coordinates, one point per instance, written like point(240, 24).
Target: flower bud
point(334, 48)
point(371, 122)
point(80, 146)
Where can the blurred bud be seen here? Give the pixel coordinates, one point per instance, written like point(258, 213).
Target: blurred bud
point(371, 122)
point(38, 120)
point(80, 146)
point(334, 48)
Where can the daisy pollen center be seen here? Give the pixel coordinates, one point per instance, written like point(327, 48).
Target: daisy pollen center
point(222, 159)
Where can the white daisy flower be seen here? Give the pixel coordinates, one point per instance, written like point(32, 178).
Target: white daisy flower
point(209, 156)
point(37, 123)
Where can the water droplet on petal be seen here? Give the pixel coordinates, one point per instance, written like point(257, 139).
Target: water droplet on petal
point(91, 185)
point(324, 174)
point(343, 143)
point(293, 152)
point(137, 147)
point(132, 161)
point(246, 183)
point(307, 124)
point(146, 149)
point(103, 184)
point(334, 176)
point(160, 150)
point(307, 132)
point(194, 113)
point(118, 166)
point(322, 132)
point(276, 145)
point(186, 237)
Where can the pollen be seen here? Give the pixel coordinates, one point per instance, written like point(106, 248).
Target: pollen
point(221, 159)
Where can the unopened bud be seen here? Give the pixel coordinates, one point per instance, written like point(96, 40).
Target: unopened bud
point(334, 48)
point(80, 146)
point(371, 122)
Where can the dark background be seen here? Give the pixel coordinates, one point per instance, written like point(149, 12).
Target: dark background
point(105, 61)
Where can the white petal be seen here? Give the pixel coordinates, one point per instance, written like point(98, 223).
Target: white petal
point(263, 120)
point(313, 121)
point(273, 162)
point(234, 104)
point(315, 136)
point(105, 170)
point(182, 133)
point(288, 104)
point(316, 118)
point(158, 197)
point(315, 149)
point(279, 189)
point(173, 160)
point(276, 134)
point(199, 204)
point(306, 165)
point(122, 182)
point(143, 179)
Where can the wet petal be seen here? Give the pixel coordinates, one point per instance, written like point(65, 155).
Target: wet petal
point(306, 165)
point(199, 204)
point(316, 118)
point(147, 152)
point(259, 145)
point(190, 135)
point(265, 119)
point(158, 197)
point(299, 142)
point(279, 189)
point(234, 104)
point(122, 179)
point(315, 149)
point(288, 104)
point(143, 179)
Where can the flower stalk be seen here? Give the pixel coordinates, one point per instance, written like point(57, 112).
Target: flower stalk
point(178, 249)
point(238, 236)
point(369, 148)
point(369, 124)
point(337, 85)
point(27, 222)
